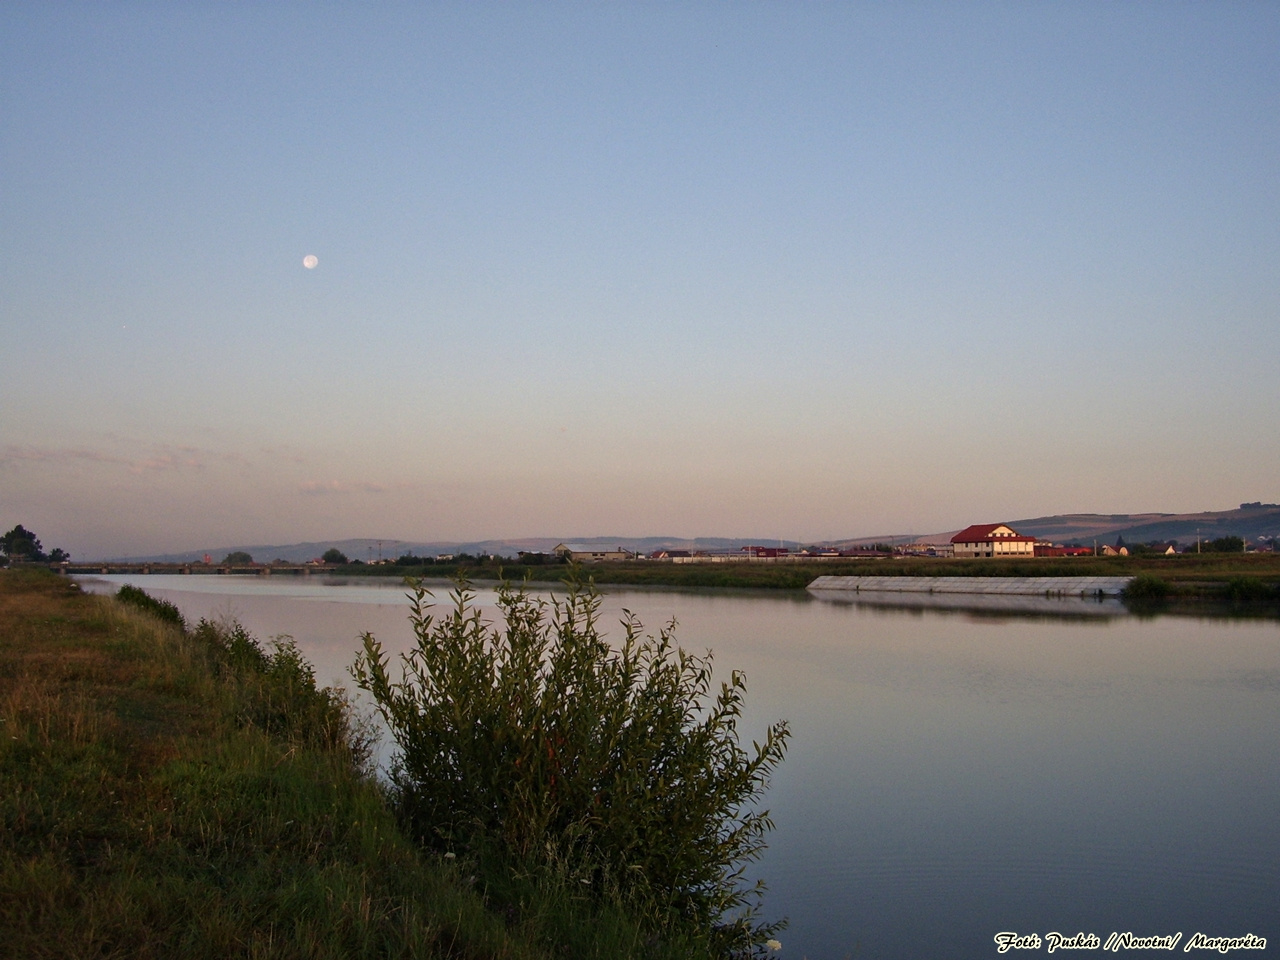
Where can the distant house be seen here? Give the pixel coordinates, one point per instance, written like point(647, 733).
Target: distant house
point(676, 556)
point(765, 553)
point(923, 548)
point(1054, 550)
point(1109, 551)
point(992, 540)
point(581, 553)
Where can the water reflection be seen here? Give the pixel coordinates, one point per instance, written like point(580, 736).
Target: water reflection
point(953, 772)
point(998, 604)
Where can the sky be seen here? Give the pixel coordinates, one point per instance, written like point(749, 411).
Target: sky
point(804, 271)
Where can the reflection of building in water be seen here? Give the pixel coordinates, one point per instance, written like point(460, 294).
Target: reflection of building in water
point(992, 540)
point(1057, 596)
point(980, 603)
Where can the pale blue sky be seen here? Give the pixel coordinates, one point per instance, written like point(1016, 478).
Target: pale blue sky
point(777, 270)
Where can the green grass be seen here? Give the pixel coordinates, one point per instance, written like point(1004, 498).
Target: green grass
point(163, 794)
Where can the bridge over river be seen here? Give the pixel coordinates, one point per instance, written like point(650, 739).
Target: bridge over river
point(256, 569)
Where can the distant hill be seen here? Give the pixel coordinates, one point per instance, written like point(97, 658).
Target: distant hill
point(1252, 521)
point(371, 549)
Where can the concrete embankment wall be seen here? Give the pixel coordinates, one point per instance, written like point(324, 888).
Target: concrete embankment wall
point(1006, 586)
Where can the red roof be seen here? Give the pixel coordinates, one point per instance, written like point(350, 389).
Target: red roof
point(981, 533)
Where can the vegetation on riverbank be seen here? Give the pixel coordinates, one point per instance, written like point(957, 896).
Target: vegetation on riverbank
point(615, 769)
point(166, 792)
point(1209, 575)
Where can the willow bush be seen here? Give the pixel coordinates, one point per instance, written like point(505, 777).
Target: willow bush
point(1146, 586)
point(616, 768)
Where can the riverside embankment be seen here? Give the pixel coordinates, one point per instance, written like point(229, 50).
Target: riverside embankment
point(1231, 577)
point(953, 764)
point(1251, 577)
point(173, 792)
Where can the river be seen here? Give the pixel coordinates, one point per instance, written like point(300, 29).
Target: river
point(953, 774)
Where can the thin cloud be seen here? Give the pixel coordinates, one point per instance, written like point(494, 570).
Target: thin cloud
point(282, 452)
point(17, 454)
point(316, 488)
point(160, 458)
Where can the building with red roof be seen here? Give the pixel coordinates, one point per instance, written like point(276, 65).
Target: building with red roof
point(992, 540)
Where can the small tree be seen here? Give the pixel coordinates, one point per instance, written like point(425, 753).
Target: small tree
point(237, 556)
point(413, 560)
point(616, 766)
point(1225, 545)
point(21, 544)
point(333, 555)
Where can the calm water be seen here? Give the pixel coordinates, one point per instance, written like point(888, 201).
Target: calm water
point(952, 774)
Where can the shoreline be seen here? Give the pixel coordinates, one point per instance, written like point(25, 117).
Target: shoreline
point(1251, 579)
point(171, 790)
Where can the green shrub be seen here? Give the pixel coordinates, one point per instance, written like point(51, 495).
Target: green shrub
point(1243, 589)
point(161, 609)
point(1146, 586)
point(1223, 545)
point(614, 769)
point(279, 692)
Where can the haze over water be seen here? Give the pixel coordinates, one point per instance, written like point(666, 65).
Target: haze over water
point(951, 775)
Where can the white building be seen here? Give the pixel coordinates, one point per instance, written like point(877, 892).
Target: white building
point(580, 553)
point(992, 540)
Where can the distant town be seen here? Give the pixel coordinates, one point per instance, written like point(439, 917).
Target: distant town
point(978, 541)
point(1251, 528)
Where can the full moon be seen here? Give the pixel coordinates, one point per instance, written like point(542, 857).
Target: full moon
point(310, 261)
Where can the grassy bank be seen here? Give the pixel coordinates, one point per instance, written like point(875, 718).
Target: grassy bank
point(1188, 575)
point(168, 792)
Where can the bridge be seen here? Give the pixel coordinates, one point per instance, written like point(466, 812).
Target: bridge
point(144, 569)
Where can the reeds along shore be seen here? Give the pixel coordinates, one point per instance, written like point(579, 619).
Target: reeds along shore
point(1210, 576)
point(169, 792)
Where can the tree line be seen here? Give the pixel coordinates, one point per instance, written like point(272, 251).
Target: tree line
point(23, 546)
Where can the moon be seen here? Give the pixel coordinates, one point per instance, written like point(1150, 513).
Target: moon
point(310, 261)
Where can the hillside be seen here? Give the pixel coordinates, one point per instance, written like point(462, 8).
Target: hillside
point(365, 549)
point(1253, 522)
